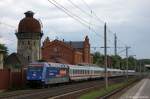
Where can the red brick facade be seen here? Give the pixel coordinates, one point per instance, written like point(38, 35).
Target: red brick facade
point(67, 52)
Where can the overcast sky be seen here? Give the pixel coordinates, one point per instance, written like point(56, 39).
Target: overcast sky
point(129, 19)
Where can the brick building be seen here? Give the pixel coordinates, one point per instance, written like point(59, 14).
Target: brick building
point(71, 52)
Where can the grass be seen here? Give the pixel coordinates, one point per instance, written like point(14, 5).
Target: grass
point(101, 92)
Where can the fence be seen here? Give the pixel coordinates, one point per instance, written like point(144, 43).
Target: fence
point(9, 79)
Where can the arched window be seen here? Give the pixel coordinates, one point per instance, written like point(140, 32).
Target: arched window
point(28, 58)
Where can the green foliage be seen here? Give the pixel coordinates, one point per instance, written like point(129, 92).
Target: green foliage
point(115, 61)
point(3, 47)
point(98, 59)
point(101, 92)
point(119, 62)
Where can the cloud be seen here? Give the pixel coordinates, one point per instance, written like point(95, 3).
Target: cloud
point(128, 18)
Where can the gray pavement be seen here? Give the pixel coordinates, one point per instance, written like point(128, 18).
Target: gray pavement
point(140, 91)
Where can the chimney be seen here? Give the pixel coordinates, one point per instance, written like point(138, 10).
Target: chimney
point(29, 14)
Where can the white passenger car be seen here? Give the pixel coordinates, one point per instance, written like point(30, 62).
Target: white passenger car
point(79, 72)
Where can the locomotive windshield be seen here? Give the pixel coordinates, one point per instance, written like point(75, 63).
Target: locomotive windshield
point(35, 68)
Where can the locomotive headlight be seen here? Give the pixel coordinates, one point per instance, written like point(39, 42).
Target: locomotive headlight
point(28, 77)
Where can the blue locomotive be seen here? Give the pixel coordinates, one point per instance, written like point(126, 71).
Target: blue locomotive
point(47, 73)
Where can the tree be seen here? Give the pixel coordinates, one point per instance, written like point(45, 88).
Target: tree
point(116, 61)
point(98, 59)
point(5, 49)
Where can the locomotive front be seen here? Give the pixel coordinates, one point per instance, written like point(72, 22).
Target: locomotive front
point(35, 73)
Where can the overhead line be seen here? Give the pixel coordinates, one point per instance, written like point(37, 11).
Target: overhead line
point(99, 18)
point(69, 11)
point(92, 11)
point(77, 18)
point(79, 8)
point(90, 15)
point(72, 16)
point(11, 26)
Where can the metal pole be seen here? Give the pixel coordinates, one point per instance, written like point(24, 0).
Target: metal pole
point(115, 50)
point(105, 52)
point(127, 63)
point(140, 69)
point(135, 64)
point(115, 43)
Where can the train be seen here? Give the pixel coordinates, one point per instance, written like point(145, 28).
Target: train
point(46, 73)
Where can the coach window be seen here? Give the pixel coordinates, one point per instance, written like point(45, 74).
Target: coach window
point(72, 71)
point(75, 71)
point(79, 71)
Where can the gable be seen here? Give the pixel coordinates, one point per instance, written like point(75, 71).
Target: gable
point(57, 43)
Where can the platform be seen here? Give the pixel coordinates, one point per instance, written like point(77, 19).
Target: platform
point(140, 91)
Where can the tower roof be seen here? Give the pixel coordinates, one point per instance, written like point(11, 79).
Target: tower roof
point(29, 24)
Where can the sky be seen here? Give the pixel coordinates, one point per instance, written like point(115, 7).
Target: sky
point(129, 19)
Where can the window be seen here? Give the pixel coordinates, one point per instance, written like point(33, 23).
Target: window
point(35, 68)
point(28, 58)
point(34, 43)
point(28, 42)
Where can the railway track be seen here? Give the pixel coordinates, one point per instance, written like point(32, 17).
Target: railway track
point(57, 92)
